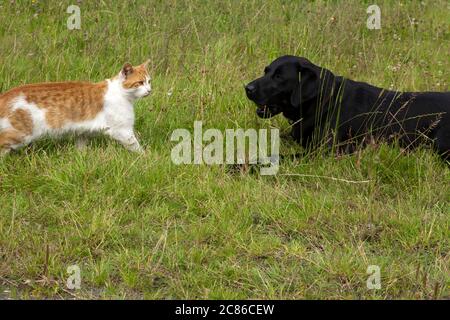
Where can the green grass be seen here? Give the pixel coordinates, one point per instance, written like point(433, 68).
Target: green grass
point(139, 226)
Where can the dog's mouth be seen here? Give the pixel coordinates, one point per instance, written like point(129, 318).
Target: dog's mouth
point(267, 111)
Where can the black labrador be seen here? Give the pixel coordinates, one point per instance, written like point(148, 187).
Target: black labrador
point(326, 109)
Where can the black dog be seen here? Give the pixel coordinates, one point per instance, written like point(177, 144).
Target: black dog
point(328, 109)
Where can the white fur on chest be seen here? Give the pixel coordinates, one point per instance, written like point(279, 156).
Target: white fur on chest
point(118, 108)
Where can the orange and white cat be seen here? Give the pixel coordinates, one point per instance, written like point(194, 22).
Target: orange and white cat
point(34, 110)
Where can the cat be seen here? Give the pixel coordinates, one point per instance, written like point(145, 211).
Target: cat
point(31, 111)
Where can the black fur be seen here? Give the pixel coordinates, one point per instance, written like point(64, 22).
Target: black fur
point(325, 108)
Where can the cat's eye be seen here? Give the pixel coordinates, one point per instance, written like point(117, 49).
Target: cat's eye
point(140, 83)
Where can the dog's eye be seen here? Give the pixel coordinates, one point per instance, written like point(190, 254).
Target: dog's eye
point(278, 76)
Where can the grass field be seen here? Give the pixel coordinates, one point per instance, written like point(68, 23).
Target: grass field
point(138, 226)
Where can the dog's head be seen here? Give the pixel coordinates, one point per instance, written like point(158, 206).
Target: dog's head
point(287, 82)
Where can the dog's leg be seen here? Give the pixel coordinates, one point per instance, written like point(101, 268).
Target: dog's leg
point(443, 143)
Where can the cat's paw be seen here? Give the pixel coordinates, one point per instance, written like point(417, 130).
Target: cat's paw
point(135, 148)
point(140, 150)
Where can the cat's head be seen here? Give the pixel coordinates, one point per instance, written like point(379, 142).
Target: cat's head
point(136, 80)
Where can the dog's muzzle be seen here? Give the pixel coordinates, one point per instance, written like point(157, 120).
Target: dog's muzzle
point(263, 111)
point(266, 112)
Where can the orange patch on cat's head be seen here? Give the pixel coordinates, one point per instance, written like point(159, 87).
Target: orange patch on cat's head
point(135, 80)
point(135, 76)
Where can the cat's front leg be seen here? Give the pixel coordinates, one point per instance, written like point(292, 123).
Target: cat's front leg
point(127, 138)
point(134, 145)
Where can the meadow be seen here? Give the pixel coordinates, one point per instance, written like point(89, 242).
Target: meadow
point(141, 227)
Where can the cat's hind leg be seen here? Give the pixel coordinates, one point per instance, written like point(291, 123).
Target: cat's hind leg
point(4, 152)
point(81, 143)
point(127, 138)
point(10, 139)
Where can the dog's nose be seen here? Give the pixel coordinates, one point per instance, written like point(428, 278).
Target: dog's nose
point(250, 88)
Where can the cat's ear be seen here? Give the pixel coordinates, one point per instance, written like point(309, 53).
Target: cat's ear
point(127, 69)
point(146, 63)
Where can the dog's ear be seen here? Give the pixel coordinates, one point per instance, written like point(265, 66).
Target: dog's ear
point(308, 84)
point(295, 95)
